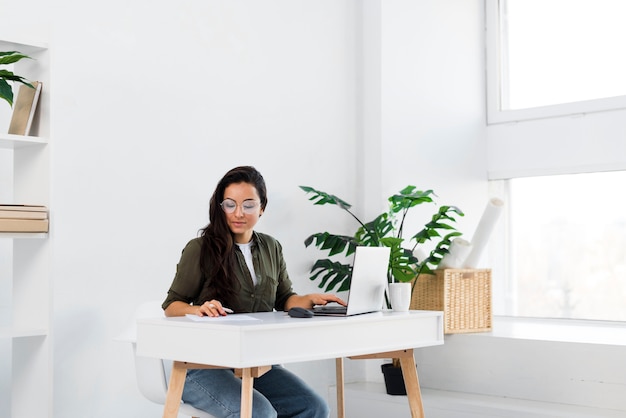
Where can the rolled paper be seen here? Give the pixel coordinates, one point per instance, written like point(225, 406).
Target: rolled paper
point(419, 254)
point(483, 231)
point(457, 253)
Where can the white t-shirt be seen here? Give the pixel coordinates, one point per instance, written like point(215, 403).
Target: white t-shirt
point(246, 249)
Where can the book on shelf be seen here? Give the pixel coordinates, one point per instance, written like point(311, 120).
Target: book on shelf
point(23, 225)
point(24, 109)
point(12, 206)
point(23, 208)
point(23, 214)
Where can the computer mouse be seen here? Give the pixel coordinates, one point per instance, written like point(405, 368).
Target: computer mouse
point(298, 312)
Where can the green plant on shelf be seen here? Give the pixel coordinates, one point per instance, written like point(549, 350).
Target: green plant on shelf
point(6, 76)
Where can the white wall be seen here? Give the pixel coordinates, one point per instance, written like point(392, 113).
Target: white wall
point(163, 100)
point(153, 101)
point(432, 104)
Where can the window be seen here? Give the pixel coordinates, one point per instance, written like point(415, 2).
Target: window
point(555, 57)
point(568, 246)
point(561, 250)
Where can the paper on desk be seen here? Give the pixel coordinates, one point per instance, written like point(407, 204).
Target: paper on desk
point(234, 317)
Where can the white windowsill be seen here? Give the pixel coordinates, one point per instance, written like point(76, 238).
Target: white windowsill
point(561, 330)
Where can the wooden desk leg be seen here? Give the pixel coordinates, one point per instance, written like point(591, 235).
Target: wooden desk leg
point(409, 372)
point(247, 376)
point(412, 385)
point(175, 389)
point(247, 382)
point(341, 407)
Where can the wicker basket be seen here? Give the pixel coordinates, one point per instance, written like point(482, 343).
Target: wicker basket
point(464, 296)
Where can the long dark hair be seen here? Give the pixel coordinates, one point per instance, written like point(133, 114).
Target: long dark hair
point(218, 243)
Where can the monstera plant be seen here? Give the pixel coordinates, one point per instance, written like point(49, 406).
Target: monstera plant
point(6, 58)
point(386, 229)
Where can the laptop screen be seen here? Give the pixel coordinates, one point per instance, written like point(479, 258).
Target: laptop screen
point(367, 285)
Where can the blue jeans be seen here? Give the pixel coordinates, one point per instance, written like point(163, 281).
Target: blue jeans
point(278, 393)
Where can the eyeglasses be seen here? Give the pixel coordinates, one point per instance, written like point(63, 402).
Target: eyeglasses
point(248, 207)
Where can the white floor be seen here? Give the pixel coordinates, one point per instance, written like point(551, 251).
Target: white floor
point(365, 400)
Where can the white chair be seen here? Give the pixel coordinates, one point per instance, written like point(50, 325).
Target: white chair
point(153, 374)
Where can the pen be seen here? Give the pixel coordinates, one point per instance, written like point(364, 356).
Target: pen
point(227, 310)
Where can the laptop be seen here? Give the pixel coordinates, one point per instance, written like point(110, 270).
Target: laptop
point(367, 286)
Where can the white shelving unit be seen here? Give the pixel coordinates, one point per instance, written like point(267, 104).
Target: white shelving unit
point(26, 327)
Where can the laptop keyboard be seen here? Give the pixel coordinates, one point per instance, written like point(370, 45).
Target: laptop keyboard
point(330, 309)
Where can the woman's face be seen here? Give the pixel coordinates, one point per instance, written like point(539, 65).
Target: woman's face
point(247, 210)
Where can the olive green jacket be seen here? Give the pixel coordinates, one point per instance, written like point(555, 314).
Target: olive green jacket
point(271, 292)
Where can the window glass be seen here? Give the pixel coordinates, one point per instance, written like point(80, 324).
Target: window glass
point(561, 51)
point(568, 246)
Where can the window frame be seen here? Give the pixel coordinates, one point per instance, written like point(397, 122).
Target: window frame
point(496, 78)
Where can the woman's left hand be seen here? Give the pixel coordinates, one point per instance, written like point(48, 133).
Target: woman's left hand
point(324, 298)
point(312, 299)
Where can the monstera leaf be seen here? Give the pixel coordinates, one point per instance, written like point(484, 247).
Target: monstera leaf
point(386, 230)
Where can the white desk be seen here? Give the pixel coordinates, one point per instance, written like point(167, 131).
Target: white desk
point(252, 346)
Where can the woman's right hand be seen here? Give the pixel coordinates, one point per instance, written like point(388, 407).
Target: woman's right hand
point(211, 308)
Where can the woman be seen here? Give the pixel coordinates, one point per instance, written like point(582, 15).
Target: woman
point(231, 266)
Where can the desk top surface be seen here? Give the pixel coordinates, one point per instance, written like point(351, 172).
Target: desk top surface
point(274, 337)
point(248, 322)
